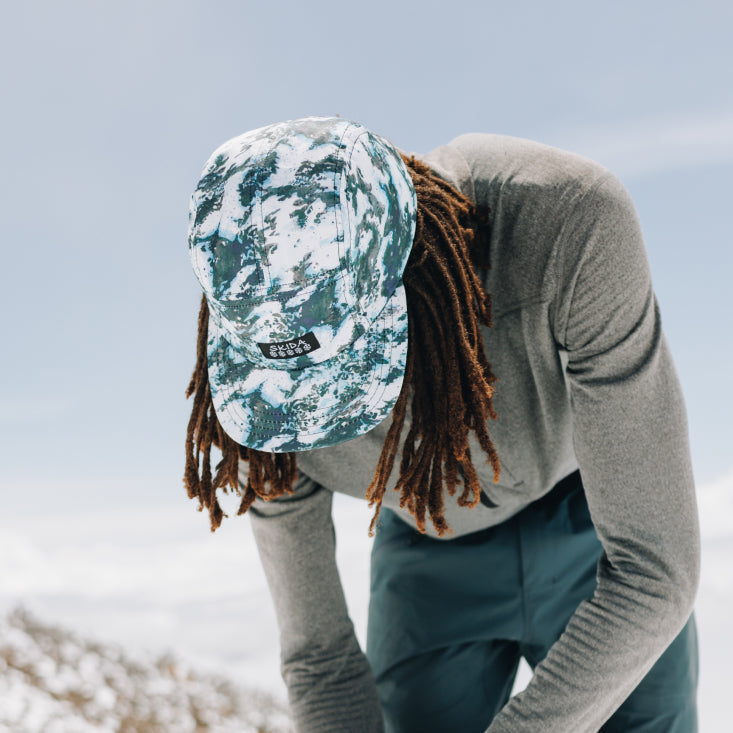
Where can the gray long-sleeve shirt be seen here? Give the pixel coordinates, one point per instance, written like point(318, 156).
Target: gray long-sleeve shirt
point(585, 381)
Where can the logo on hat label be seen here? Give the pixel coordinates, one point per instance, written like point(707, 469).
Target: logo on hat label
point(289, 349)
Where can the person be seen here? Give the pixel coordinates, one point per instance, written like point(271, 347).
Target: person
point(483, 316)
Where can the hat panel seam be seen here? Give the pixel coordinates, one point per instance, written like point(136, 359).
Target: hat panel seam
point(260, 189)
point(346, 212)
point(337, 175)
point(192, 244)
point(265, 298)
point(196, 269)
point(352, 228)
point(248, 302)
point(255, 198)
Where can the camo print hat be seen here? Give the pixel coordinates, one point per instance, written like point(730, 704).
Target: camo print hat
point(299, 233)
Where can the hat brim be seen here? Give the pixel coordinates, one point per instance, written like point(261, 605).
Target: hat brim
point(281, 411)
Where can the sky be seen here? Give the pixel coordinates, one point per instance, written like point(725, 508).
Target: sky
point(110, 111)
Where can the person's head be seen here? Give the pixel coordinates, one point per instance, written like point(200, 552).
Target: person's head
point(338, 280)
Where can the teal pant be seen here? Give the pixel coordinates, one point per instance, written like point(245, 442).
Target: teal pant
point(444, 646)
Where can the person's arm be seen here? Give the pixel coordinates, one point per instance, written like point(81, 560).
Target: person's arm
point(630, 438)
point(330, 684)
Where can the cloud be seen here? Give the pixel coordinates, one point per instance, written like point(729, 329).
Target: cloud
point(159, 579)
point(653, 145)
point(715, 500)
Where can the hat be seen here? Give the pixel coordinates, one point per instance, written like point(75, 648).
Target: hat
point(299, 233)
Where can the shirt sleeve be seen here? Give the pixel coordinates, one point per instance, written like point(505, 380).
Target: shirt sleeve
point(330, 685)
point(630, 439)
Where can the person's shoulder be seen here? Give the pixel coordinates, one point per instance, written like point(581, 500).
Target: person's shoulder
point(524, 163)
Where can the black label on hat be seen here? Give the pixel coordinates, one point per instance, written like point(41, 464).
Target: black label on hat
point(292, 348)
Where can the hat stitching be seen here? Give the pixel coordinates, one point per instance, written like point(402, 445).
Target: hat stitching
point(352, 230)
point(258, 205)
point(337, 176)
point(255, 196)
point(344, 255)
point(249, 302)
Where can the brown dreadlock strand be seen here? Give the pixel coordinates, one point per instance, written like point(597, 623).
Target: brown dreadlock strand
point(447, 372)
point(447, 369)
point(204, 430)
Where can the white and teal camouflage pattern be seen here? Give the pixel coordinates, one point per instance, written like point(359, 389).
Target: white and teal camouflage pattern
point(299, 233)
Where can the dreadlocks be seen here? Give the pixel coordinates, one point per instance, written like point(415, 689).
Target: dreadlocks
point(204, 429)
point(447, 373)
